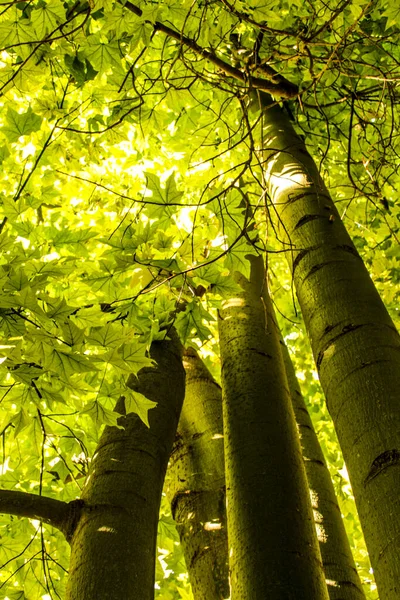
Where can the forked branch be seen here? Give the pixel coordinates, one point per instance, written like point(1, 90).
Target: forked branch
point(276, 85)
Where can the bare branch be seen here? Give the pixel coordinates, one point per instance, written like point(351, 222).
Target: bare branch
point(62, 515)
point(276, 85)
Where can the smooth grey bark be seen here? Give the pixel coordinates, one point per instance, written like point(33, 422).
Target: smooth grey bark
point(341, 575)
point(196, 483)
point(354, 341)
point(273, 548)
point(113, 549)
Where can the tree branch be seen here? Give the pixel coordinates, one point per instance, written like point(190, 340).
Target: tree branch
point(276, 85)
point(62, 515)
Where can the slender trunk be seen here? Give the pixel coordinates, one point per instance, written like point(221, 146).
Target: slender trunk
point(355, 344)
point(273, 549)
point(196, 486)
point(341, 574)
point(113, 549)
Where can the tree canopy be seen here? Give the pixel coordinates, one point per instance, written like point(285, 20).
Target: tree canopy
point(132, 189)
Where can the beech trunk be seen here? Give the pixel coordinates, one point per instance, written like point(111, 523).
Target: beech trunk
point(341, 575)
point(273, 549)
point(113, 549)
point(196, 483)
point(355, 343)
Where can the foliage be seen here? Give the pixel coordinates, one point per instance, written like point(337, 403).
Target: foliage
point(130, 192)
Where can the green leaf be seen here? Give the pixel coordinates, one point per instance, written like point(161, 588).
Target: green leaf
point(89, 317)
point(71, 334)
point(68, 237)
point(101, 415)
point(108, 336)
point(229, 206)
point(4, 153)
point(167, 194)
point(47, 17)
point(17, 280)
point(120, 21)
point(27, 299)
point(143, 31)
point(105, 281)
point(20, 421)
point(36, 434)
point(129, 358)
point(13, 209)
point(81, 71)
point(6, 242)
point(167, 266)
point(392, 14)
point(16, 595)
point(16, 31)
point(104, 55)
point(135, 402)
point(11, 323)
point(7, 33)
point(26, 372)
point(19, 124)
point(150, 13)
point(59, 311)
point(190, 323)
point(224, 285)
point(236, 259)
point(50, 393)
point(67, 364)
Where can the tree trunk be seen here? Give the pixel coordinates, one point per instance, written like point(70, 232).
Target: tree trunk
point(340, 570)
point(196, 486)
point(273, 549)
point(113, 549)
point(354, 341)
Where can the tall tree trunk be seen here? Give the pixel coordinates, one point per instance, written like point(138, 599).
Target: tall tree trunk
point(113, 549)
point(273, 549)
point(340, 570)
point(354, 341)
point(196, 485)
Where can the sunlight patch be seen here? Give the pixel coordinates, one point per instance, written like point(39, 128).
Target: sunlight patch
point(107, 529)
point(212, 526)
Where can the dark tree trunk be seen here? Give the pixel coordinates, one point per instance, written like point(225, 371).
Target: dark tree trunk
point(196, 483)
point(113, 549)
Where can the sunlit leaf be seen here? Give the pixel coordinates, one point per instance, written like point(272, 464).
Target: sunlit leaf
point(47, 17)
point(138, 403)
point(67, 364)
point(101, 415)
point(129, 358)
point(19, 124)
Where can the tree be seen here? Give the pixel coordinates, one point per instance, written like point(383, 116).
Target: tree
point(144, 157)
point(122, 495)
point(269, 515)
point(196, 487)
point(352, 338)
point(335, 550)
